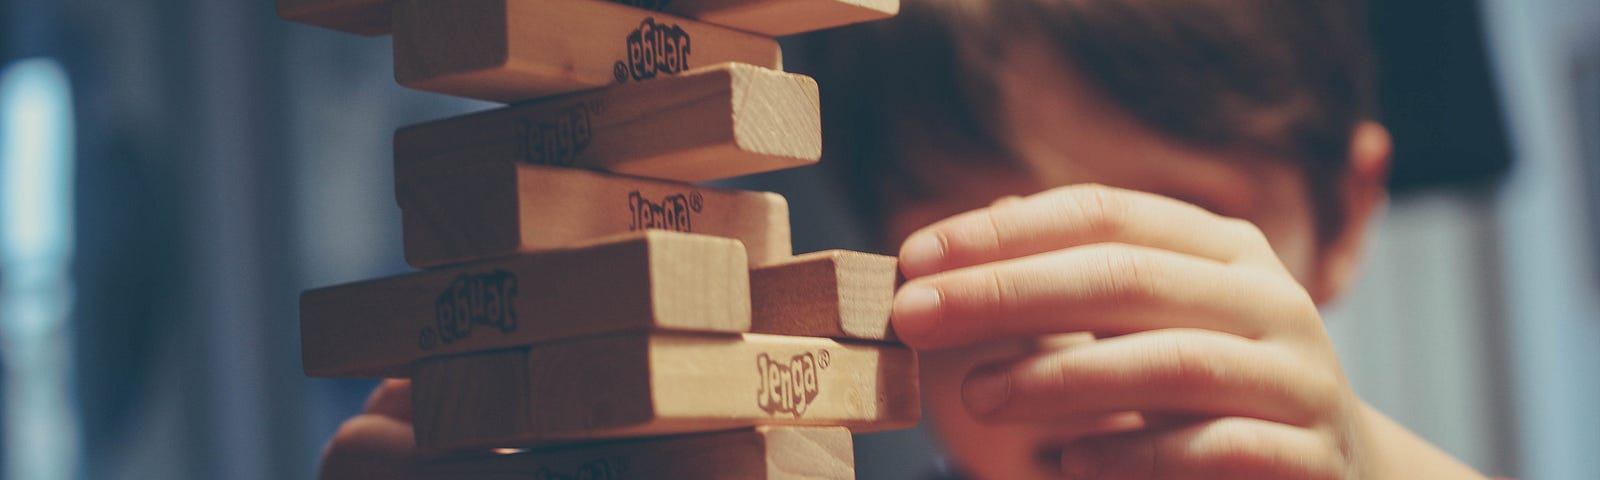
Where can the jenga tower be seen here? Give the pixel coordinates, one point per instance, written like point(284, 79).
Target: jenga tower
point(581, 302)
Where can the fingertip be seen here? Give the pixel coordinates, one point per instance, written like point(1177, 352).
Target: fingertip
point(921, 254)
point(392, 399)
point(916, 312)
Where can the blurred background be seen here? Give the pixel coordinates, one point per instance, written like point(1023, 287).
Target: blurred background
point(173, 173)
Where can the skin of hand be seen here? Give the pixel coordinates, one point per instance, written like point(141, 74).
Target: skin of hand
point(376, 444)
point(1199, 320)
point(1163, 328)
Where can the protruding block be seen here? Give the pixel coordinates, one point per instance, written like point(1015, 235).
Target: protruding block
point(498, 209)
point(660, 383)
point(835, 293)
point(649, 280)
point(762, 453)
point(361, 17)
point(514, 50)
point(719, 122)
point(777, 17)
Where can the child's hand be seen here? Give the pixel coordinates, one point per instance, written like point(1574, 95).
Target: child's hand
point(376, 444)
point(1204, 324)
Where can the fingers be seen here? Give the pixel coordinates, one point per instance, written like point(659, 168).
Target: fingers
point(370, 447)
point(378, 444)
point(1106, 288)
point(391, 399)
point(1225, 448)
point(1073, 216)
point(1169, 371)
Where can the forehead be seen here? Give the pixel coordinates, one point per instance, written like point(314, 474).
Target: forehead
point(1060, 130)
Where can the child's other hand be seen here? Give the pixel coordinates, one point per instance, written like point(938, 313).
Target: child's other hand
point(376, 444)
point(1199, 321)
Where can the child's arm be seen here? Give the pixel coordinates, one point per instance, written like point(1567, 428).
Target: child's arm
point(1203, 320)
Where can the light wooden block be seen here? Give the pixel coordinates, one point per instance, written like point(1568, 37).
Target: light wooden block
point(835, 293)
point(777, 17)
point(362, 17)
point(719, 122)
point(648, 280)
point(661, 383)
point(514, 50)
point(498, 209)
point(767, 17)
point(762, 453)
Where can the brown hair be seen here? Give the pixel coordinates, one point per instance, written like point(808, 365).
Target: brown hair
point(1285, 77)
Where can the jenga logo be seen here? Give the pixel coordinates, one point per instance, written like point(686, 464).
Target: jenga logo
point(558, 141)
point(472, 300)
point(654, 49)
point(675, 212)
point(648, 4)
point(595, 470)
point(789, 387)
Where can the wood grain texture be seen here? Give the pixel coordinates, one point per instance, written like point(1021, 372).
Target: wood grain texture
point(361, 17)
point(778, 17)
point(761, 453)
point(499, 209)
point(766, 17)
point(722, 121)
point(646, 280)
point(515, 50)
point(661, 383)
point(834, 293)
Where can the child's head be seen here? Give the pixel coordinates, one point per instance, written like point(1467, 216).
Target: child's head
point(1222, 103)
point(1255, 109)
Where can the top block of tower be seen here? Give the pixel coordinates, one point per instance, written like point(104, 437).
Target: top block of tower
point(514, 50)
point(766, 17)
point(777, 17)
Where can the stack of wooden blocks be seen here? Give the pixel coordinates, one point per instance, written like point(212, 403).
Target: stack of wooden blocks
point(582, 302)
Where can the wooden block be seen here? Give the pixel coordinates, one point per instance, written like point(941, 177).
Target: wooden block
point(361, 17)
point(777, 17)
point(835, 293)
point(719, 122)
point(762, 453)
point(660, 383)
point(767, 17)
point(648, 280)
point(514, 50)
point(499, 209)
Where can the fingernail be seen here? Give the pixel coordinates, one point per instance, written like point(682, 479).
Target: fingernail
point(921, 254)
point(986, 391)
point(916, 311)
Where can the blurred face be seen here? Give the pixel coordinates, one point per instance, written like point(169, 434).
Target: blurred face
point(1065, 133)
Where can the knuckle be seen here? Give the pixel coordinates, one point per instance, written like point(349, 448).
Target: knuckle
point(1324, 395)
point(1128, 276)
point(1102, 210)
point(1299, 312)
point(1234, 447)
point(1000, 292)
point(1184, 366)
point(1249, 233)
point(1246, 228)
